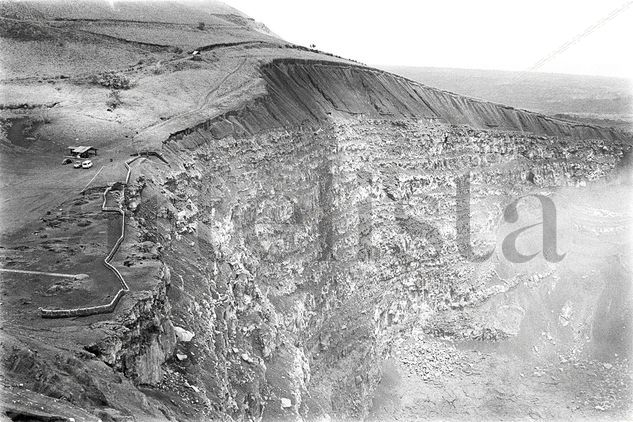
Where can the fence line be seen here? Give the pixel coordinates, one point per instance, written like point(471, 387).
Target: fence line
point(109, 307)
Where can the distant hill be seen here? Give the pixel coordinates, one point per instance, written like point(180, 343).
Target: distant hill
point(133, 10)
point(594, 99)
point(187, 12)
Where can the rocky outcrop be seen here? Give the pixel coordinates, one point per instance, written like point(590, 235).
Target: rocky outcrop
point(309, 250)
point(142, 337)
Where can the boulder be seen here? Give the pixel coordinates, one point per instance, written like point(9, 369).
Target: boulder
point(183, 335)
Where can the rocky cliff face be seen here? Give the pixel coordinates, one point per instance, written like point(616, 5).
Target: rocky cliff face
point(140, 342)
point(343, 231)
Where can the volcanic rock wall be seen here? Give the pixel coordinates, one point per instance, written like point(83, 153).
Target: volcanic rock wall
point(145, 338)
point(295, 254)
point(301, 234)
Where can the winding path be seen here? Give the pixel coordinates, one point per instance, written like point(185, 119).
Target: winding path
point(207, 108)
point(108, 307)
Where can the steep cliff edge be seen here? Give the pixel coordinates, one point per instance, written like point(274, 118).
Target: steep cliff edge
point(338, 248)
point(300, 92)
point(305, 246)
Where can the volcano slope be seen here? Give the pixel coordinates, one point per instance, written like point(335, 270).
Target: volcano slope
point(306, 237)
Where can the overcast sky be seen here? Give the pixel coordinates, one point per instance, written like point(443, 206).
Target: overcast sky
point(482, 34)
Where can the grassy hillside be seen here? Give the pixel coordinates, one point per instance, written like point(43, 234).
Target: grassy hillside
point(192, 11)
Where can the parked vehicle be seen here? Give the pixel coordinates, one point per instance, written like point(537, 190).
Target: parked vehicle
point(86, 164)
point(77, 164)
point(67, 161)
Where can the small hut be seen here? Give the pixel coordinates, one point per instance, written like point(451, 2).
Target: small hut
point(83, 151)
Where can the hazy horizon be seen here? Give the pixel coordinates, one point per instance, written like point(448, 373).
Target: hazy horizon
point(602, 100)
point(485, 35)
point(626, 80)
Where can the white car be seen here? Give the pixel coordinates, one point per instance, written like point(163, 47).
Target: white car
point(86, 164)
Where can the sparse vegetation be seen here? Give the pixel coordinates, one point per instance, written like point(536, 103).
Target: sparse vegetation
point(201, 26)
point(42, 117)
point(24, 31)
point(111, 80)
point(114, 100)
point(184, 65)
point(157, 69)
